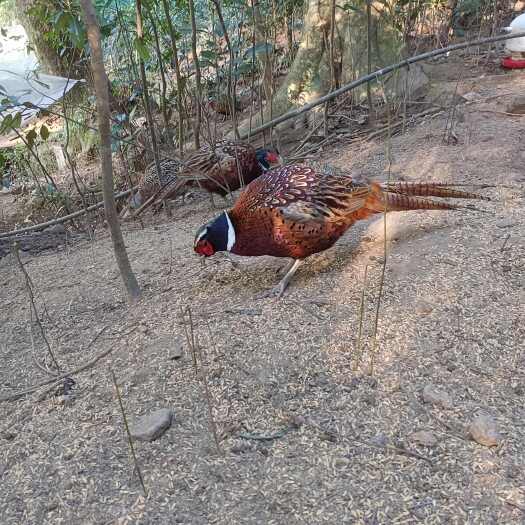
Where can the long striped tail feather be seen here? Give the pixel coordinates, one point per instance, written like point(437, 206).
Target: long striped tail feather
point(408, 196)
point(434, 189)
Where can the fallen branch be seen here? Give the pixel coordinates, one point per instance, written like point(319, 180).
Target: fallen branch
point(128, 433)
point(65, 218)
point(504, 113)
point(16, 253)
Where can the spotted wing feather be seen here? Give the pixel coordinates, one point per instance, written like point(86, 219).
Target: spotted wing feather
point(303, 194)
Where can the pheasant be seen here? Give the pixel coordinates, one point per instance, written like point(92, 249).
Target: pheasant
point(220, 170)
point(150, 184)
point(295, 211)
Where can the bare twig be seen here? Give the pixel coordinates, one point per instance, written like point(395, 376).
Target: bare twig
point(397, 450)
point(65, 218)
point(191, 338)
point(130, 440)
point(213, 426)
point(383, 269)
point(359, 350)
point(29, 288)
point(505, 113)
point(89, 364)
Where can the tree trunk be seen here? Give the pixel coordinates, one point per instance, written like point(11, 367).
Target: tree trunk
point(262, 39)
point(49, 58)
point(198, 87)
point(178, 76)
point(309, 76)
point(102, 94)
point(301, 84)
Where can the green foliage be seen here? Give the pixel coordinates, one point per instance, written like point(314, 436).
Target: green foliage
point(8, 14)
point(58, 34)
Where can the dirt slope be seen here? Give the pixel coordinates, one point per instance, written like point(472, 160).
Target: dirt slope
point(452, 316)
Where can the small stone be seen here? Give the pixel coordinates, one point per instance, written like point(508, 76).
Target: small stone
point(484, 430)
point(341, 462)
point(298, 421)
point(8, 436)
point(471, 96)
point(139, 377)
point(380, 440)
point(424, 437)
point(171, 345)
point(434, 396)
point(506, 223)
point(152, 426)
point(516, 105)
point(423, 307)
point(176, 352)
point(51, 505)
point(58, 229)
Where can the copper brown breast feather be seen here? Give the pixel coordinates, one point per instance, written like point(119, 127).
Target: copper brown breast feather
point(296, 211)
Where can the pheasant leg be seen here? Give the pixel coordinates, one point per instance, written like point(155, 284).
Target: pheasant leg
point(285, 269)
point(277, 291)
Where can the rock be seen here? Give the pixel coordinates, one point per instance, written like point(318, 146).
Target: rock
point(171, 345)
point(471, 96)
point(484, 430)
point(423, 307)
point(434, 396)
point(516, 105)
point(58, 229)
point(298, 421)
point(139, 377)
point(176, 352)
point(424, 437)
point(380, 440)
point(152, 426)
point(506, 223)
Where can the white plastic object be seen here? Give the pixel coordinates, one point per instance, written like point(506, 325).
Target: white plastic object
point(517, 45)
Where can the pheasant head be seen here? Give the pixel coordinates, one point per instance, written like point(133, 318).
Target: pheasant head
point(268, 158)
point(218, 235)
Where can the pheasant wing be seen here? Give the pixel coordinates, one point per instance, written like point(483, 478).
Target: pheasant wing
point(303, 194)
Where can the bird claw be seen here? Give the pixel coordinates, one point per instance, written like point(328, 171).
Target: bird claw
point(276, 291)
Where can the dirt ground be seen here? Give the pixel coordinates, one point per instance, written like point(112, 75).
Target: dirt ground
point(306, 435)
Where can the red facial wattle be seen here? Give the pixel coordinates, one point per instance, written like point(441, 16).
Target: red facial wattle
point(272, 157)
point(204, 248)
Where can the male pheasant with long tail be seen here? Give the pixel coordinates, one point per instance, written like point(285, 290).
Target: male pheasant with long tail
point(295, 211)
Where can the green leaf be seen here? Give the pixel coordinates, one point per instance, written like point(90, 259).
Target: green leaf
point(6, 123)
point(31, 136)
point(62, 21)
point(207, 54)
point(44, 132)
point(17, 120)
point(142, 49)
